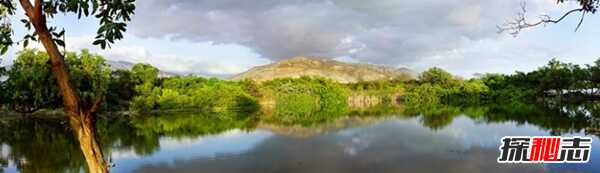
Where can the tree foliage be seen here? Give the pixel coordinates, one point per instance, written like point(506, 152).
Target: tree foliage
point(112, 16)
point(90, 76)
point(554, 81)
point(33, 86)
point(437, 76)
point(31, 83)
point(307, 100)
point(121, 90)
point(146, 77)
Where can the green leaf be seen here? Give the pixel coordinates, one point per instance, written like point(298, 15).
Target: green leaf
point(4, 50)
point(60, 42)
point(97, 42)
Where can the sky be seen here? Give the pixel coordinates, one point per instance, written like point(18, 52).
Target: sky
point(226, 37)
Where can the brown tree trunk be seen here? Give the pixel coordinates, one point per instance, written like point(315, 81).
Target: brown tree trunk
point(84, 127)
point(81, 122)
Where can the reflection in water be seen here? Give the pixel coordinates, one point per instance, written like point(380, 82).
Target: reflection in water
point(383, 139)
point(34, 145)
point(391, 146)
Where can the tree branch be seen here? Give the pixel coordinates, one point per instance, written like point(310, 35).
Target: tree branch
point(580, 20)
point(520, 22)
point(26, 6)
point(38, 7)
point(34, 12)
point(95, 105)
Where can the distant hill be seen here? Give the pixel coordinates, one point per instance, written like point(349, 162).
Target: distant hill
point(335, 70)
point(120, 65)
point(126, 65)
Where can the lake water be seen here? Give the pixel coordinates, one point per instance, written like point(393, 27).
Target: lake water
point(462, 140)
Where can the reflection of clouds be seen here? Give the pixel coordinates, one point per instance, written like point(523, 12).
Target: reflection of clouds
point(124, 154)
point(209, 146)
point(459, 137)
point(4, 150)
point(471, 132)
point(354, 145)
point(408, 134)
point(178, 142)
point(173, 149)
point(390, 146)
point(393, 145)
point(174, 143)
point(351, 141)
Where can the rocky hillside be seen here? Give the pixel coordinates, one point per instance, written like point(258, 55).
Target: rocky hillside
point(339, 71)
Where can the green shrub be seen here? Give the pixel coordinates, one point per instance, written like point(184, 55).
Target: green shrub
point(423, 94)
point(194, 93)
point(307, 100)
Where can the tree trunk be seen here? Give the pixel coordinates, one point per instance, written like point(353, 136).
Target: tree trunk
point(84, 128)
point(81, 122)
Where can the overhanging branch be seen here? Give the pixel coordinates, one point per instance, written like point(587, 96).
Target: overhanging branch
point(520, 22)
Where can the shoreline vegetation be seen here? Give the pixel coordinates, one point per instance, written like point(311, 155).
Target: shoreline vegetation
point(141, 107)
point(29, 88)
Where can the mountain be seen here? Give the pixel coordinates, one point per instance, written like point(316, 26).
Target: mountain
point(120, 65)
point(342, 72)
point(126, 65)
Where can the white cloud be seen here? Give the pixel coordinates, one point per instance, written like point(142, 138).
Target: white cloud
point(171, 62)
point(459, 35)
point(393, 32)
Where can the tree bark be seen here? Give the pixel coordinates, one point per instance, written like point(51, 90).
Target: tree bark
point(81, 122)
point(84, 128)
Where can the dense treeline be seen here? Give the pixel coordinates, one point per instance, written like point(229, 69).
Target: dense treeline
point(306, 100)
point(556, 79)
point(436, 85)
point(28, 86)
point(554, 82)
point(196, 93)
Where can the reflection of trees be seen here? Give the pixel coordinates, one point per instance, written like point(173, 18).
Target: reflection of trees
point(376, 111)
point(190, 124)
point(556, 118)
point(306, 110)
point(326, 127)
point(3, 164)
point(434, 116)
point(142, 134)
point(49, 145)
point(373, 149)
point(119, 133)
point(41, 146)
point(327, 115)
point(306, 100)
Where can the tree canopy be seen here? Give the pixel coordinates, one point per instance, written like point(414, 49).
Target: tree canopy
point(33, 86)
point(112, 16)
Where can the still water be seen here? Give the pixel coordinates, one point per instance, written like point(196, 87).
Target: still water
point(462, 140)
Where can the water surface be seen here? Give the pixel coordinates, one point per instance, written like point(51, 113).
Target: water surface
point(449, 140)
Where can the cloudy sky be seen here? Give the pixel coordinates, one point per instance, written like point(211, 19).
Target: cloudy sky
point(220, 38)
